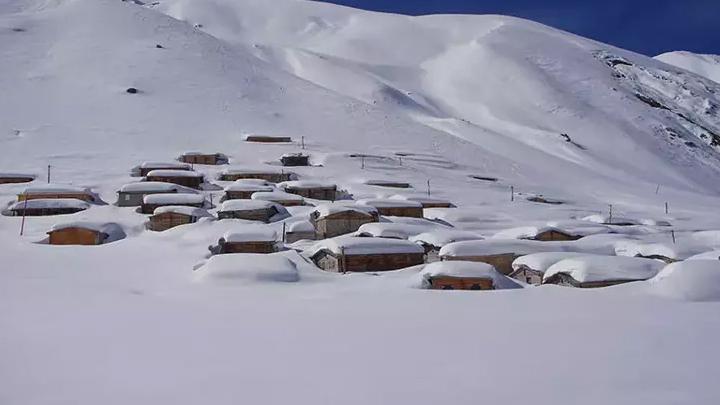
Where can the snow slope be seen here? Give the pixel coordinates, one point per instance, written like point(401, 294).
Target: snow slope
point(428, 101)
point(703, 65)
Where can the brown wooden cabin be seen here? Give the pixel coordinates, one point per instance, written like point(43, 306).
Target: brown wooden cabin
point(346, 258)
point(204, 158)
point(246, 190)
point(166, 218)
point(396, 208)
point(50, 193)
point(388, 183)
point(271, 177)
point(543, 200)
point(302, 230)
point(180, 177)
point(502, 262)
point(295, 159)
point(564, 279)
point(147, 167)
point(152, 202)
point(268, 139)
point(553, 235)
point(262, 242)
point(338, 221)
point(279, 197)
point(251, 210)
point(460, 283)
point(37, 207)
point(327, 192)
point(82, 234)
point(527, 275)
point(8, 178)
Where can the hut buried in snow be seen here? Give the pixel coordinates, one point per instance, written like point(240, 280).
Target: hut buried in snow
point(146, 167)
point(432, 241)
point(243, 189)
point(531, 268)
point(295, 159)
point(197, 158)
point(153, 201)
point(279, 197)
point(267, 139)
point(497, 252)
point(542, 233)
point(252, 210)
point(593, 271)
point(425, 200)
point(330, 220)
point(301, 230)
point(85, 233)
point(14, 178)
point(168, 217)
point(461, 275)
point(251, 241)
point(58, 191)
point(132, 195)
point(354, 254)
point(185, 178)
point(35, 208)
point(248, 268)
point(395, 208)
point(269, 175)
point(310, 189)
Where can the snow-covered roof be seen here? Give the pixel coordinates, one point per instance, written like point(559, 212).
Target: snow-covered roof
point(676, 251)
point(10, 175)
point(174, 198)
point(351, 245)
point(184, 210)
point(173, 173)
point(253, 235)
point(423, 199)
point(276, 196)
point(250, 185)
point(305, 184)
point(525, 232)
point(542, 261)
point(164, 165)
point(390, 203)
point(392, 230)
point(248, 267)
point(495, 247)
point(55, 189)
point(111, 229)
point(246, 205)
point(328, 209)
point(196, 153)
point(441, 237)
point(150, 186)
point(467, 270)
point(615, 220)
point(590, 268)
point(691, 280)
point(50, 203)
point(301, 226)
point(251, 170)
point(296, 154)
point(711, 255)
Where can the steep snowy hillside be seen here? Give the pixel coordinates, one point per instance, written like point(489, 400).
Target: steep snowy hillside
point(508, 85)
point(703, 65)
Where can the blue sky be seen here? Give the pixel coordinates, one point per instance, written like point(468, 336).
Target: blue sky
point(645, 26)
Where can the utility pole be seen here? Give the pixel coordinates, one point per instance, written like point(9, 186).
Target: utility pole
point(512, 193)
point(22, 224)
point(48, 174)
point(667, 208)
point(428, 186)
point(362, 164)
point(610, 216)
point(302, 142)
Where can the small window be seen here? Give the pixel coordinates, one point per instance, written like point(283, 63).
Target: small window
point(127, 197)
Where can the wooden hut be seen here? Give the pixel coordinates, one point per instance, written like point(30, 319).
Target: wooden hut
point(594, 271)
point(267, 139)
point(58, 191)
point(295, 159)
point(132, 194)
point(14, 178)
point(388, 183)
point(499, 253)
point(146, 167)
point(531, 268)
point(84, 233)
point(197, 158)
point(463, 276)
point(252, 210)
point(424, 200)
point(151, 202)
point(168, 217)
point(432, 241)
point(332, 220)
point(243, 189)
point(39, 207)
point(395, 208)
point(354, 254)
point(181, 177)
point(310, 189)
point(255, 241)
point(279, 197)
point(269, 175)
point(301, 230)
point(541, 233)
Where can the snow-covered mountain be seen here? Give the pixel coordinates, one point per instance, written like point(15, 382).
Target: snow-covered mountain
point(704, 65)
point(523, 127)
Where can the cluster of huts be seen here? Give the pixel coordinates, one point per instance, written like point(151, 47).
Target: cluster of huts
point(348, 235)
